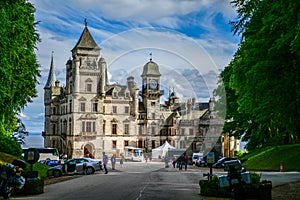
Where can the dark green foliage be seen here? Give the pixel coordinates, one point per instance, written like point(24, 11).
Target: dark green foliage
point(18, 65)
point(262, 81)
point(10, 146)
point(255, 178)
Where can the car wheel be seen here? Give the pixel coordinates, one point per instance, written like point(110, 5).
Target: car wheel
point(89, 170)
point(56, 173)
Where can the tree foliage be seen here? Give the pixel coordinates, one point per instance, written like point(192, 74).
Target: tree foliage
point(10, 146)
point(262, 80)
point(18, 65)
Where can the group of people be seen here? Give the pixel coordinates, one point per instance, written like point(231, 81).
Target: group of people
point(181, 161)
point(113, 162)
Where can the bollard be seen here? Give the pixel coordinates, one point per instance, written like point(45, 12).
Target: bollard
point(281, 167)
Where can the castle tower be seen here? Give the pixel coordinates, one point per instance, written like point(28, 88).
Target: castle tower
point(151, 99)
point(51, 93)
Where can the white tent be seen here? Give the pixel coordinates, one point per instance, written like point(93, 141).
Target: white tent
point(161, 151)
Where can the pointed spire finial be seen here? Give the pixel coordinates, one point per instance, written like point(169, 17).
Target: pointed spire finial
point(85, 22)
point(150, 56)
point(51, 77)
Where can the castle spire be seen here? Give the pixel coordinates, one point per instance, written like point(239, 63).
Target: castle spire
point(51, 77)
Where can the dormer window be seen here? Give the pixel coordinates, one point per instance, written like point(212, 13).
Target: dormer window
point(89, 87)
point(115, 94)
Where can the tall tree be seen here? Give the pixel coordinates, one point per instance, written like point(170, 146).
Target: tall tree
point(18, 64)
point(264, 72)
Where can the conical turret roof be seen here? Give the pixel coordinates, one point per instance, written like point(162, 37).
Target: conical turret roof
point(51, 77)
point(86, 40)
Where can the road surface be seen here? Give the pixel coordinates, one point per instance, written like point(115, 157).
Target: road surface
point(141, 181)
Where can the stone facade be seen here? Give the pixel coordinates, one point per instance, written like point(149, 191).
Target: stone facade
point(89, 116)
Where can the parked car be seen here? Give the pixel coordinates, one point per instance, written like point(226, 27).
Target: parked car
point(75, 166)
point(195, 156)
point(51, 163)
point(220, 162)
point(200, 162)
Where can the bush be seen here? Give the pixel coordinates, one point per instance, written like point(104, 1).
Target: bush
point(10, 146)
point(255, 178)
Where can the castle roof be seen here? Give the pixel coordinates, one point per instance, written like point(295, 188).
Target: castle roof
point(51, 77)
point(86, 40)
point(151, 68)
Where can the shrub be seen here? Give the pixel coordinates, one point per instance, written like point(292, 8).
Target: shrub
point(10, 146)
point(255, 178)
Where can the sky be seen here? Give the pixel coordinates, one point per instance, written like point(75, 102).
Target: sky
point(190, 40)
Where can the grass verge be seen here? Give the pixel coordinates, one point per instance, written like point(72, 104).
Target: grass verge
point(270, 158)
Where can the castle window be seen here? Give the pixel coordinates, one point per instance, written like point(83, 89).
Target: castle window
point(115, 94)
point(103, 127)
point(53, 110)
point(140, 129)
point(126, 129)
point(114, 144)
point(114, 109)
point(114, 129)
point(153, 115)
point(95, 107)
point(127, 94)
point(194, 146)
point(182, 131)
point(182, 144)
point(103, 109)
point(88, 127)
point(83, 127)
point(126, 143)
point(82, 107)
point(89, 87)
point(70, 126)
point(152, 104)
point(70, 106)
point(191, 131)
point(126, 109)
point(71, 88)
point(153, 144)
point(153, 130)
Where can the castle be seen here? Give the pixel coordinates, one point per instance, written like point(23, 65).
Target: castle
point(89, 116)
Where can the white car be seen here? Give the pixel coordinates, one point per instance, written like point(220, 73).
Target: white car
point(200, 162)
point(75, 166)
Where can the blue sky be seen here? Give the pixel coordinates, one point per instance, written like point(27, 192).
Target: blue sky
point(190, 40)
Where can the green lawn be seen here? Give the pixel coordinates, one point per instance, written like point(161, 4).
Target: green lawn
point(269, 159)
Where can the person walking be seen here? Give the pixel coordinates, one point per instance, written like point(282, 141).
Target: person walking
point(185, 161)
point(121, 162)
point(174, 161)
point(166, 159)
point(180, 162)
point(113, 162)
point(105, 161)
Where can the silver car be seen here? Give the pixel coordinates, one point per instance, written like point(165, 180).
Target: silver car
point(75, 166)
